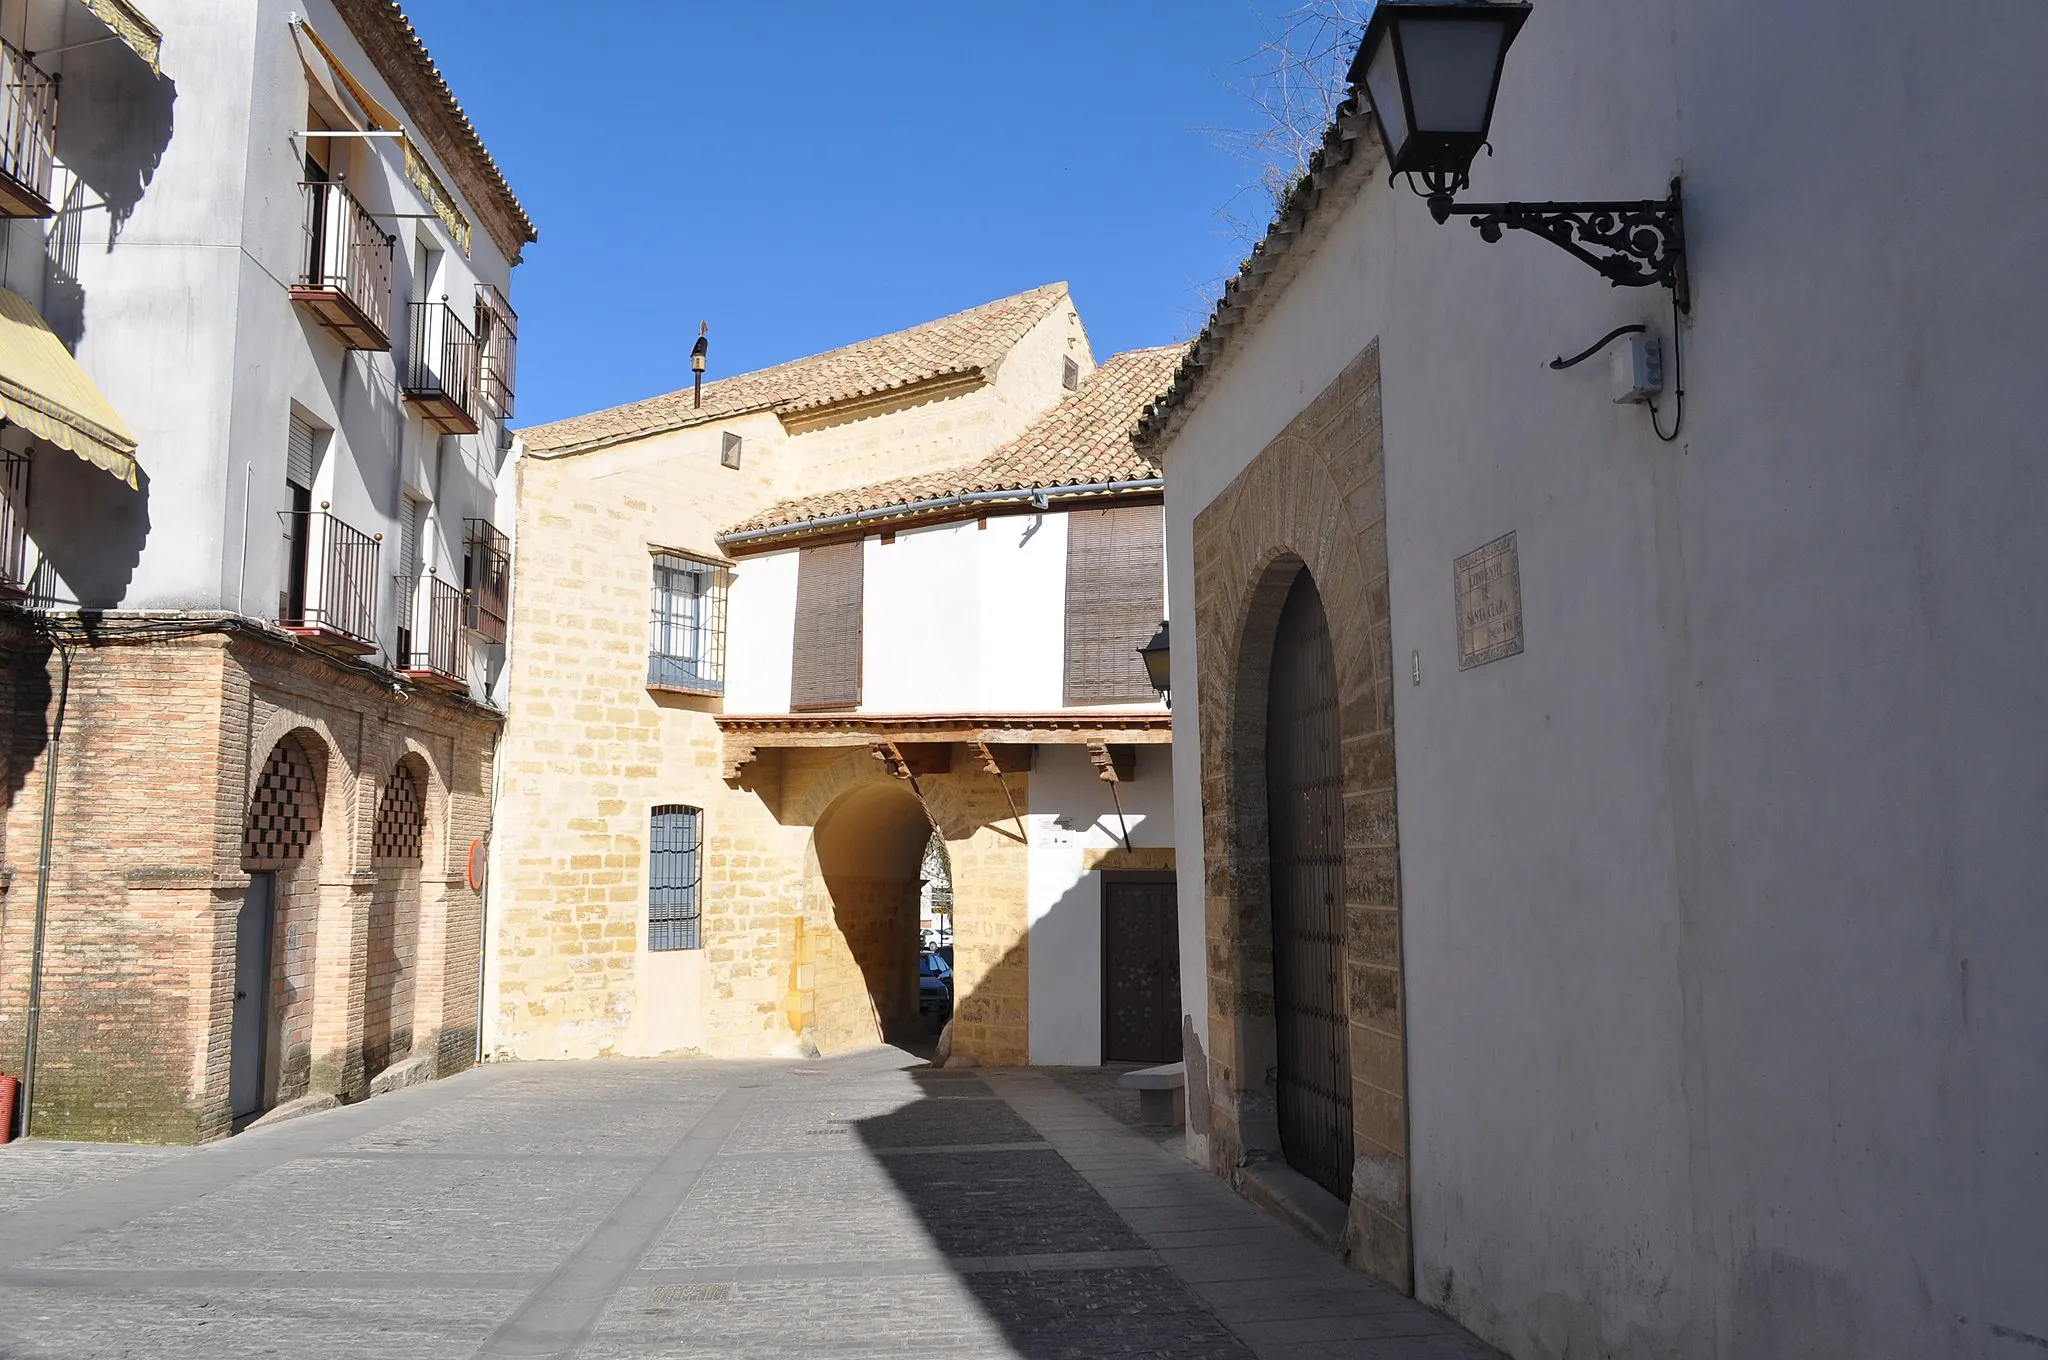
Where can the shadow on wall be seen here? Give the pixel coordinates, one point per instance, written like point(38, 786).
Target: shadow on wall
point(90, 526)
point(114, 132)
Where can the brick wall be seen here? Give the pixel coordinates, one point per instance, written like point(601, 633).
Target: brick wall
point(163, 744)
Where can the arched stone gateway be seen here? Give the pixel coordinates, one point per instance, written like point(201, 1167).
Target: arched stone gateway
point(869, 852)
point(1306, 519)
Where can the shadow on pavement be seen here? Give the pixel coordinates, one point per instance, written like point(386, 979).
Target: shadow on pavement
point(1048, 1261)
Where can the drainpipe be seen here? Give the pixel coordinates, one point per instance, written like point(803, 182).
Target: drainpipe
point(35, 967)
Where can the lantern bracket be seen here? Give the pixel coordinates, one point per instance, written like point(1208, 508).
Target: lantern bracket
point(1633, 244)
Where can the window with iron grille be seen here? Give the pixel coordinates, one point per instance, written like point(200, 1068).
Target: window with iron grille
point(686, 625)
point(675, 873)
point(486, 579)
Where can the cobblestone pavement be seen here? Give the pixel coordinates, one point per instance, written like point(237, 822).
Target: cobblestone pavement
point(860, 1206)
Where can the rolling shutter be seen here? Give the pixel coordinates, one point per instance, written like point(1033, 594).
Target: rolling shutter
point(299, 456)
point(1116, 595)
point(825, 672)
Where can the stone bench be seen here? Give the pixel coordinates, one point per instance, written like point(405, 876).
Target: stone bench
point(1162, 1093)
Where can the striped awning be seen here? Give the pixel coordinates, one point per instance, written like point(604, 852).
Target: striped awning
point(43, 390)
point(418, 169)
point(130, 26)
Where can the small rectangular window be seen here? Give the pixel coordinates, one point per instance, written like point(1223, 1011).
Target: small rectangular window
point(686, 625)
point(1070, 375)
point(675, 875)
point(729, 450)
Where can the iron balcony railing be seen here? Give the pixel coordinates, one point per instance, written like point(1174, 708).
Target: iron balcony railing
point(441, 372)
point(486, 579)
point(28, 134)
point(349, 259)
point(331, 585)
point(431, 641)
point(14, 569)
point(497, 328)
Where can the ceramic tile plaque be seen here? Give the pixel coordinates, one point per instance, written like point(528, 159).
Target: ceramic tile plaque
point(1489, 603)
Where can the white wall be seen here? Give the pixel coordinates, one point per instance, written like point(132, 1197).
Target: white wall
point(1720, 902)
point(1072, 813)
point(191, 232)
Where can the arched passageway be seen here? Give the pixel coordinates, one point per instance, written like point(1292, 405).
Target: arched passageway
point(870, 847)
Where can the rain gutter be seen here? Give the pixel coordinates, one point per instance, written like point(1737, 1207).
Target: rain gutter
point(1039, 496)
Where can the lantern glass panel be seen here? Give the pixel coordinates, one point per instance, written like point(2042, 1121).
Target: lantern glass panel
point(1383, 84)
point(1451, 69)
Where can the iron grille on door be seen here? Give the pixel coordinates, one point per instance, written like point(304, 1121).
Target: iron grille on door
point(1305, 812)
point(1141, 1012)
point(675, 872)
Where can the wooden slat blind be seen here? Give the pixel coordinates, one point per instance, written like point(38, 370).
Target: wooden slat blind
point(1116, 595)
point(825, 672)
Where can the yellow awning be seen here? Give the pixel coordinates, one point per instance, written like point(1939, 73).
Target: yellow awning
point(43, 390)
point(132, 28)
point(417, 168)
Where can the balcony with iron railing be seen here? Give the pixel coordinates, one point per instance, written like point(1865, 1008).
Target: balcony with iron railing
point(330, 594)
point(28, 135)
point(497, 327)
point(346, 280)
point(430, 643)
point(442, 372)
point(14, 568)
point(486, 579)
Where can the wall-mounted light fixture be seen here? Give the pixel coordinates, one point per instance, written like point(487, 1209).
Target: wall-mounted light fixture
point(1158, 658)
point(1431, 69)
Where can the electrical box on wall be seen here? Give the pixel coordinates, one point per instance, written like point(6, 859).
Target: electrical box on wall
point(1638, 370)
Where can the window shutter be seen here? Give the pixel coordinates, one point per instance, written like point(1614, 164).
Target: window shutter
point(299, 455)
point(1116, 595)
point(826, 669)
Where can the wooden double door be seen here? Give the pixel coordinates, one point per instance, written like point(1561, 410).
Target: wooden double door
point(1141, 1017)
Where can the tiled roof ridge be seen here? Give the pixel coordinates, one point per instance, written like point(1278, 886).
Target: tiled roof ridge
point(1084, 439)
point(383, 28)
point(1334, 173)
point(992, 328)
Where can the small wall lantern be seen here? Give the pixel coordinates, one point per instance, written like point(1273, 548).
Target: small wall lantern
point(1158, 658)
point(1431, 70)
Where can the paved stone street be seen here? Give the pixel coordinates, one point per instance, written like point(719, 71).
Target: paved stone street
point(860, 1206)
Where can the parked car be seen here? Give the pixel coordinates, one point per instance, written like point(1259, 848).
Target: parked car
point(934, 984)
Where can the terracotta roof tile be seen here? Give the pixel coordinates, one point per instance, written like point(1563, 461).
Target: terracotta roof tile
point(965, 342)
point(1083, 440)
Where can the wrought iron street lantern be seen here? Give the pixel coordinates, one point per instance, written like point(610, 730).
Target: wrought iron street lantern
point(1432, 69)
point(1158, 658)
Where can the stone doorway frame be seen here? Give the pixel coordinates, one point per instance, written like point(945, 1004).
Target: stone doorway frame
point(1314, 499)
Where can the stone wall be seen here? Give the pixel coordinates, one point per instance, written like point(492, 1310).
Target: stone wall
point(1314, 500)
point(162, 743)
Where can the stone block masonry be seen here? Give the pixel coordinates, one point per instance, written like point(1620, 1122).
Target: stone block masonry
point(169, 730)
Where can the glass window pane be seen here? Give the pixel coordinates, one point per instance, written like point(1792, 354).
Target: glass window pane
point(1383, 84)
point(1450, 71)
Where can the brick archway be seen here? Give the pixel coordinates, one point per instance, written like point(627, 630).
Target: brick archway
point(1313, 500)
point(285, 839)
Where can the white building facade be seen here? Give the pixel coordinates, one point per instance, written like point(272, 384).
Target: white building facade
point(258, 270)
point(1691, 1008)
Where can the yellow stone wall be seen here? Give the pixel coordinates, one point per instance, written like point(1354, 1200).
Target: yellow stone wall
point(589, 750)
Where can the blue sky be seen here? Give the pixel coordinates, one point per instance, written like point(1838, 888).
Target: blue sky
point(805, 174)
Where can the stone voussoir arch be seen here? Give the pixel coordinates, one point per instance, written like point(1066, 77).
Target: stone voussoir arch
point(1312, 500)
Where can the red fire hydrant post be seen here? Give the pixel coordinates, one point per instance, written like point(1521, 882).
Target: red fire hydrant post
point(10, 1088)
